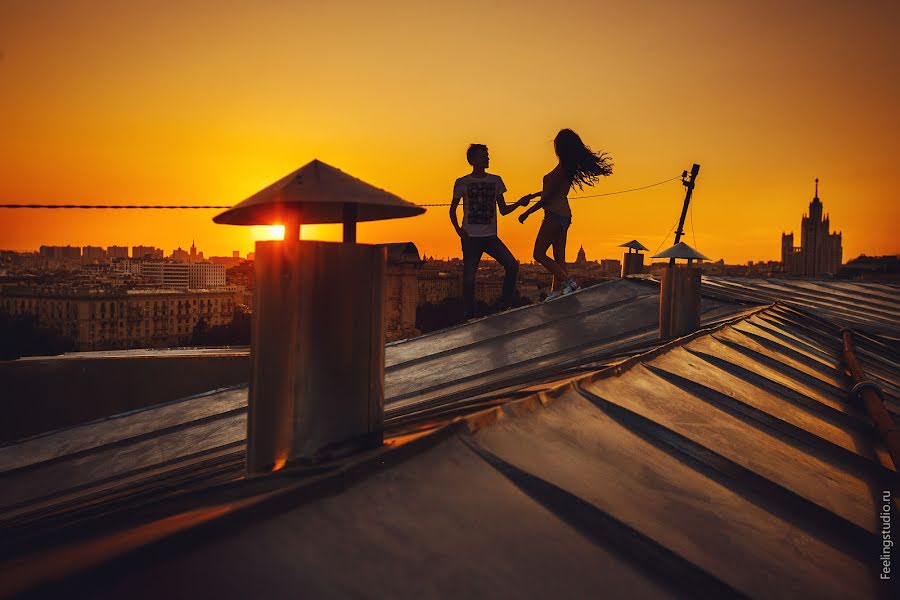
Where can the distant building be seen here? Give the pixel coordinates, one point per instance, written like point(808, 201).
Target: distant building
point(206, 275)
point(92, 254)
point(194, 255)
point(180, 255)
point(437, 285)
point(488, 290)
point(401, 294)
point(117, 252)
point(581, 258)
point(610, 267)
point(182, 275)
point(166, 274)
point(872, 268)
point(820, 251)
point(110, 318)
point(226, 261)
point(61, 252)
point(146, 252)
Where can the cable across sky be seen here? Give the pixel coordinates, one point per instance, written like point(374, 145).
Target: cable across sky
point(208, 206)
point(643, 187)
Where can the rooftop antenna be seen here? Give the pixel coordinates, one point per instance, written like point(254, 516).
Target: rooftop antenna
point(679, 285)
point(688, 182)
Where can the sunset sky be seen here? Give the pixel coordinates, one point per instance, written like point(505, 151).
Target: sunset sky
point(206, 102)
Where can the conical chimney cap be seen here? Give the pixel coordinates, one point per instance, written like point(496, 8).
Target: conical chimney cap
point(633, 244)
point(317, 193)
point(680, 250)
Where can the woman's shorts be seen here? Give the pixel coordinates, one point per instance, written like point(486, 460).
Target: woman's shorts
point(557, 219)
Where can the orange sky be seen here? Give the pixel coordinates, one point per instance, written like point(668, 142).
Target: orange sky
point(197, 102)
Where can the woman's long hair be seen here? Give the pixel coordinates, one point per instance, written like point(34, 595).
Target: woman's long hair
point(581, 165)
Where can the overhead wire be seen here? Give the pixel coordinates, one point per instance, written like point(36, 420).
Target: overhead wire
point(218, 207)
point(643, 187)
point(693, 230)
point(675, 224)
point(113, 206)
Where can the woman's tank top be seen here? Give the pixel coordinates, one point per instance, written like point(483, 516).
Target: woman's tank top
point(555, 192)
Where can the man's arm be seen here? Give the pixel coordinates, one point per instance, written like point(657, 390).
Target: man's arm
point(505, 208)
point(453, 219)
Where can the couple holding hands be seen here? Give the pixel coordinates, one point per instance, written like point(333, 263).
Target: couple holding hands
point(482, 195)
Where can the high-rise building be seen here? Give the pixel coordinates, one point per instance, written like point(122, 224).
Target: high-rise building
point(820, 251)
point(166, 274)
point(117, 252)
point(92, 254)
point(206, 275)
point(61, 252)
point(139, 252)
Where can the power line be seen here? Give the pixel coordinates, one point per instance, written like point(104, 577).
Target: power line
point(693, 231)
point(208, 206)
point(643, 187)
point(111, 206)
point(665, 238)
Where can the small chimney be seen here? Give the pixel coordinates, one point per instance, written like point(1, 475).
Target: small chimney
point(633, 260)
point(679, 292)
point(317, 347)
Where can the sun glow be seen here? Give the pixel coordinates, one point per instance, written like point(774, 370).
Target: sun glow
point(268, 232)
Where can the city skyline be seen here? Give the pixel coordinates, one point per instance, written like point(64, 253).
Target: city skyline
point(106, 103)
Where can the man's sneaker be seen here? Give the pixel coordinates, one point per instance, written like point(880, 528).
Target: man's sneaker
point(552, 295)
point(569, 287)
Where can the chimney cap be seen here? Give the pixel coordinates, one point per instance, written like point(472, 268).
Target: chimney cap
point(634, 244)
point(680, 250)
point(316, 193)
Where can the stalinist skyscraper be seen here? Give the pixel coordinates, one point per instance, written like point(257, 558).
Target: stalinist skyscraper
point(820, 250)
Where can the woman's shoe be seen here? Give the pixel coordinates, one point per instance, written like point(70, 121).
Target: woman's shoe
point(570, 286)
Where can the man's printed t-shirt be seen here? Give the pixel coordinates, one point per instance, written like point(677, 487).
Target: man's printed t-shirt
point(479, 196)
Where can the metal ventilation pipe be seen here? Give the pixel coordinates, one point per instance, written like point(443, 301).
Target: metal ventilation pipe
point(633, 260)
point(317, 347)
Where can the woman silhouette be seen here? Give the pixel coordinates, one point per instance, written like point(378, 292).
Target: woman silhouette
point(578, 165)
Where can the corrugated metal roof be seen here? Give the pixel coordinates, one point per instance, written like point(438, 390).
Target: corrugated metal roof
point(589, 458)
point(870, 307)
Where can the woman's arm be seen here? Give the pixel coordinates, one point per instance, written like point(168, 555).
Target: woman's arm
point(505, 208)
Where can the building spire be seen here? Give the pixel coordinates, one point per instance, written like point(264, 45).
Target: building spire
point(817, 188)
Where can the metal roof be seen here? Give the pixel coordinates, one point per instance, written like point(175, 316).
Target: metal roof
point(554, 449)
point(870, 307)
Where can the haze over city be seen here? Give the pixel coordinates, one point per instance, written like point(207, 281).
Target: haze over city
point(142, 102)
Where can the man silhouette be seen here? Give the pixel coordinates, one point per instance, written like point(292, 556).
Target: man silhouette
point(482, 194)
